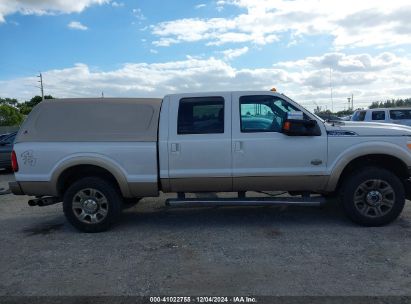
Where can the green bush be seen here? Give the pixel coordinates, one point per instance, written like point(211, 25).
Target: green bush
point(10, 116)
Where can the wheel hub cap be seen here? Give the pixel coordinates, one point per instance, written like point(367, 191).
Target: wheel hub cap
point(374, 198)
point(90, 206)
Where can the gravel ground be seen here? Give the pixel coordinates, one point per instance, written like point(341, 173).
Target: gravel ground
point(225, 251)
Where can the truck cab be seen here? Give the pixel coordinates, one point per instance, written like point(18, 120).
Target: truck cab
point(235, 142)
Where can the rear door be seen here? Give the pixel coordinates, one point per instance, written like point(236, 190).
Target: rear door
point(266, 159)
point(199, 143)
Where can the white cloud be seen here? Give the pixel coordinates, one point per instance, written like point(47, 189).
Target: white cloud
point(42, 7)
point(75, 25)
point(369, 77)
point(349, 23)
point(138, 14)
point(234, 53)
point(117, 4)
point(202, 5)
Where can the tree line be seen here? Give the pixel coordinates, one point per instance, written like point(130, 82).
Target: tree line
point(12, 113)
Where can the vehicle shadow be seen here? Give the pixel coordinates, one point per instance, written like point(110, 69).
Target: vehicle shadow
point(328, 215)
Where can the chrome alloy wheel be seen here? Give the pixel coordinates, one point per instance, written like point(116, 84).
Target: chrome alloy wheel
point(374, 198)
point(90, 206)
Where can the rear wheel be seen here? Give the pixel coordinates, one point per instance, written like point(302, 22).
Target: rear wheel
point(373, 196)
point(92, 204)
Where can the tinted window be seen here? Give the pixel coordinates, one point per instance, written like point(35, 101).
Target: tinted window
point(378, 115)
point(400, 114)
point(263, 113)
point(8, 139)
point(201, 115)
point(359, 116)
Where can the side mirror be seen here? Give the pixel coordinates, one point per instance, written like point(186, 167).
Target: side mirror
point(298, 127)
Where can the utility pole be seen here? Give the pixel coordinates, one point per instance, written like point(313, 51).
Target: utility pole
point(331, 92)
point(352, 101)
point(41, 86)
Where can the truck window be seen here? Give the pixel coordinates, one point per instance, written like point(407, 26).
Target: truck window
point(263, 113)
point(359, 116)
point(378, 115)
point(400, 114)
point(201, 115)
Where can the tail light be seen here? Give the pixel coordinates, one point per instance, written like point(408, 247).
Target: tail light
point(14, 163)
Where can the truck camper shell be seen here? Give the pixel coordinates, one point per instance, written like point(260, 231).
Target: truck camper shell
point(92, 120)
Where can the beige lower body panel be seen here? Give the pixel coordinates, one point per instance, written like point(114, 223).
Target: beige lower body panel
point(280, 183)
point(38, 188)
point(199, 184)
point(315, 183)
point(143, 189)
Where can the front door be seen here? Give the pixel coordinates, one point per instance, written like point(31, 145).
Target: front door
point(266, 159)
point(199, 143)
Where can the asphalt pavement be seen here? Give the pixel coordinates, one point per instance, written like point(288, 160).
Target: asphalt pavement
point(215, 251)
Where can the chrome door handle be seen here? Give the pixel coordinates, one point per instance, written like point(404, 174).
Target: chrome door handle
point(238, 146)
point(175, 148)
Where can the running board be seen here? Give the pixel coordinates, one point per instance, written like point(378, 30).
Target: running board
point(251, 201)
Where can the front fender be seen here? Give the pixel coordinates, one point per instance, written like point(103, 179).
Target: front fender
point(364, 149)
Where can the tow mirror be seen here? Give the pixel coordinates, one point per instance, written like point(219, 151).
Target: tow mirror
point(301, 127)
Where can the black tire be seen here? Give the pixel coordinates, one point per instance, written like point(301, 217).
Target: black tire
point(130, 202)
point(103, 189)
point(372, 196)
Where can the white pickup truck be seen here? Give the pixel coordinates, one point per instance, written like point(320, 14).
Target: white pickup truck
point(97, 155)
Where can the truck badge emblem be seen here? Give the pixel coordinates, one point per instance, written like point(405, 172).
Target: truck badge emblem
point(28, 158)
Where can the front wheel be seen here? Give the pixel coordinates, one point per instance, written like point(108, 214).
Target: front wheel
point(92, 204)
point(373, 196)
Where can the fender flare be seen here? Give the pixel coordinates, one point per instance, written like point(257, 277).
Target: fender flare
point(364, 149)
point(94, 160)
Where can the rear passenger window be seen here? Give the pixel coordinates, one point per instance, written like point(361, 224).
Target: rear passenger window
point(378, 115)
point(201, 115)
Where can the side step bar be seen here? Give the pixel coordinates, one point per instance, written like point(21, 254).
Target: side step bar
point(44, 201)
point(235, 202)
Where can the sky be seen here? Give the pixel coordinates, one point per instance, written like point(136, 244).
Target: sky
point(317, 52)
